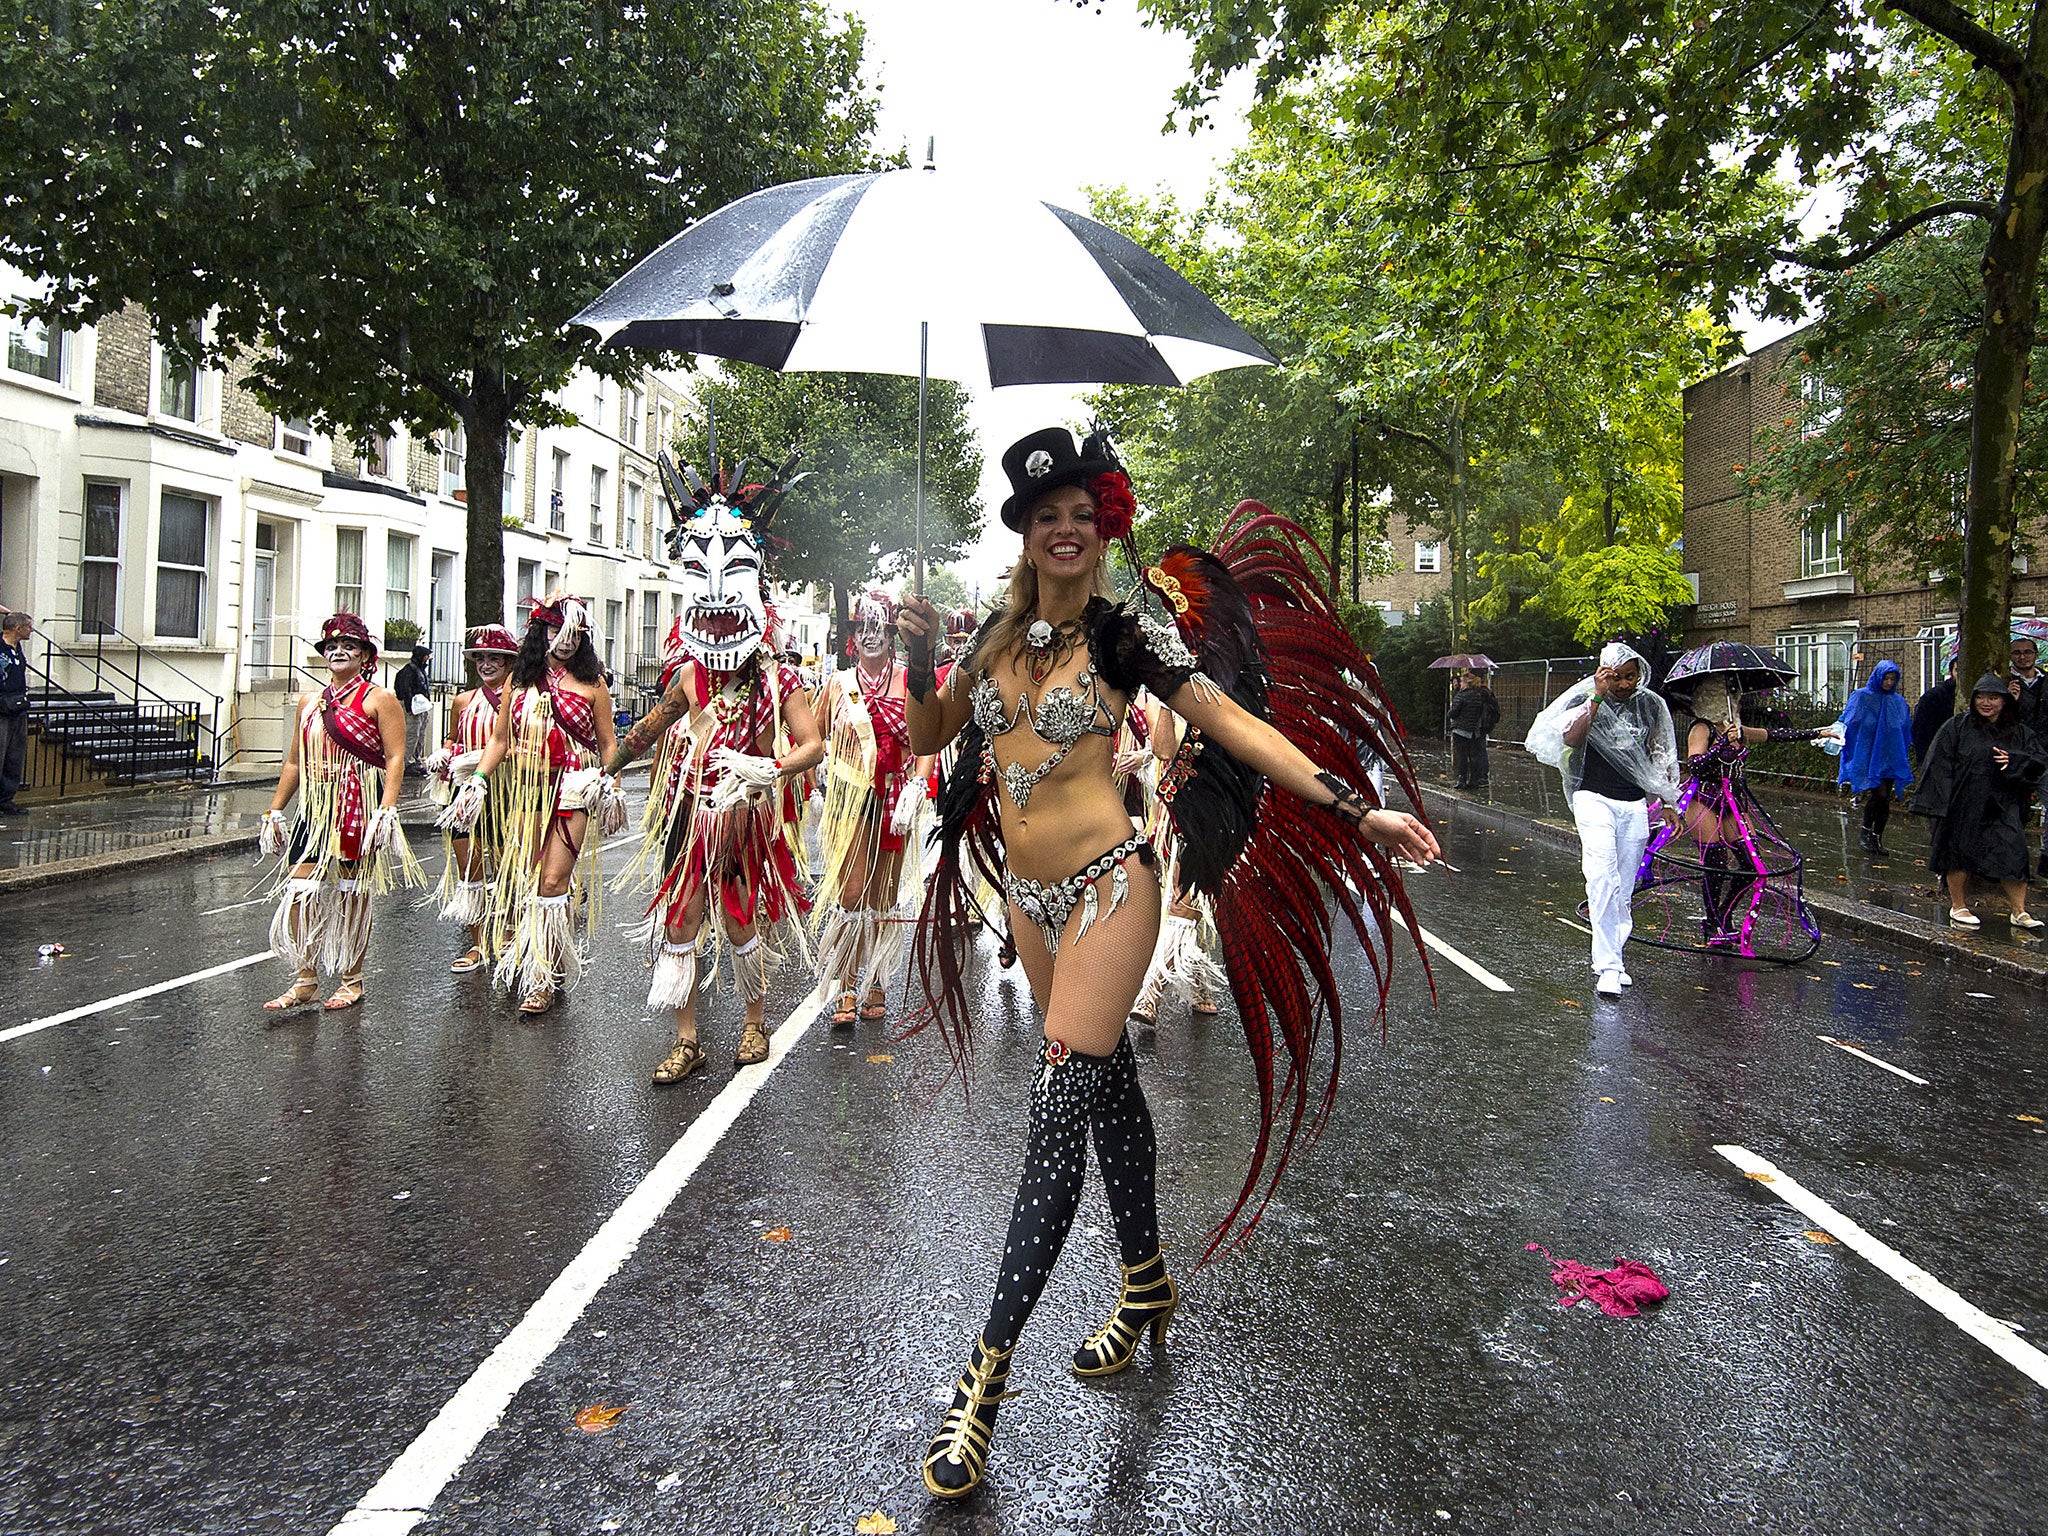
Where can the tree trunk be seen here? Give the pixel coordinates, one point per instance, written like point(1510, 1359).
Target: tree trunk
point(1515, 595)
point(1456, 442)
point(2012, 263)
point(485, 424)
point(1355, 548)
point(1336, 532)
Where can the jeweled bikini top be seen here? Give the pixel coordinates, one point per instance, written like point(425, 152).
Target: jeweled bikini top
point(1063, 716)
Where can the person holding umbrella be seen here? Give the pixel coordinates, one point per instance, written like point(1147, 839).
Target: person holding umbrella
point(1474, 713)
point(1877, 733)
point(1037, 704)
point(1975, 784)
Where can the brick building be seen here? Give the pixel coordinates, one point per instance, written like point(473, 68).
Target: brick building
point(1422, 570)
point(1764, 577)
point(156, 516)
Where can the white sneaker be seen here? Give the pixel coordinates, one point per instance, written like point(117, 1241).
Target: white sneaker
point(1627, 980)
point(1609, 984)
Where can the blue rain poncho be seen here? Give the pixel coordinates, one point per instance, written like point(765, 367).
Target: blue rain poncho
point(1877, 730)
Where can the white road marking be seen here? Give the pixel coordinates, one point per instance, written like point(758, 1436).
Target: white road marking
point(1855, 1050)
point(1581, 927)
point(409, 1487)
point(255, 901)
point(1998, 1337)
point(1463, 962)
point(87, 1010)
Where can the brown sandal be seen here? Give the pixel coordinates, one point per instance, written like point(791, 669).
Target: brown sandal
point(753, 1045)
point(1204, 1004)
point(844, 1010)
point(873, 1011)
point(347, 995)
point(538, 1001)
point(679, 1063)
point(471, 959)
point(297, 995)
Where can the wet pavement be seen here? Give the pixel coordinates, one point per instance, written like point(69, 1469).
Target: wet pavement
point(80, 827)
point(243, 1264)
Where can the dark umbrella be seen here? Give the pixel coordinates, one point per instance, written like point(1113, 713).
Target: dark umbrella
point(1752, 669)
point(1476, 662)
point(920, 273)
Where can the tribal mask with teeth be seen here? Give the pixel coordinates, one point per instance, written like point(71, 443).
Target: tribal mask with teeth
point(717, 541)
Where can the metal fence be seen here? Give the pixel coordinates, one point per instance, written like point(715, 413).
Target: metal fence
point(1524, 687)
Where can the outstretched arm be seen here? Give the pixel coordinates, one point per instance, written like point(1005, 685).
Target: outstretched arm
point(1255, 743)
point(647, 730)
point(934, 714)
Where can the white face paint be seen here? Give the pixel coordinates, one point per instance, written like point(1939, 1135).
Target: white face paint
point(562, 642)
point(490, 666)
point(725, 618)
point(873, 639)
point(344, 659)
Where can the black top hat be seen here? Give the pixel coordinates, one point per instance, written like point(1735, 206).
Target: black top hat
point(1047, 460)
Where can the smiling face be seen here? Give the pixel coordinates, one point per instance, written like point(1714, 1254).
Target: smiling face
point(2024, 655)
point(1060, 537)
point(873, 635)
point(725, 617)
point(491, 665)
point(345, 659)
point(1989, 705)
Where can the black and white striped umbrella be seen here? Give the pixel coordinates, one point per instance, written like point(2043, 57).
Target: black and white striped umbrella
point(922, 273)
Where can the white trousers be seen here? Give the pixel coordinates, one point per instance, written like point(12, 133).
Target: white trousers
point(1612, 836)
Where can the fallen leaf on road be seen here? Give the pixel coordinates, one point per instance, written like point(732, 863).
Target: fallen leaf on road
point(1884, 967)
point(880, 1060)
point(777, 1235)
point(1568, 1003)
point(1606, 1101)
point(1761, 1178)
point(2030, 1119)
point(1817, 1236)
point(1841, 879)
point(599, 1417)
point(1836, 963)
point(876, 1524)
point(1864, 986)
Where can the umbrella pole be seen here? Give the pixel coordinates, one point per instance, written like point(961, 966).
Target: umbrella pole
point(924, 342)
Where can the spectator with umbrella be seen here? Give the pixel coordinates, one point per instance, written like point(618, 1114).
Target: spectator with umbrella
point(1975, 784)
point(1877, 729)
point(1474, 714)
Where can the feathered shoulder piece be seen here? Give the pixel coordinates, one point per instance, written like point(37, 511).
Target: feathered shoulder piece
point(1256, 621)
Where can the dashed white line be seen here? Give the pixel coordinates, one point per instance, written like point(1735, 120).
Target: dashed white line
point(1462, 961)
point(1875, 1061)
point(254, 901)
point(87, 1010)
point(1998, 1337)
point(408, 1489)
point(1581, 927)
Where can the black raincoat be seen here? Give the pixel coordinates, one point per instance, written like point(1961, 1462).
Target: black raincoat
point(1979, 809)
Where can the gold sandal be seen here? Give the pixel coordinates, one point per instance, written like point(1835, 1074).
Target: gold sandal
point(347, 995)
point(471, 959)
point(297, 995)
point(753, 1045)
point(844, 1010)
point(538, 1001)
point(957, 1460)
point(679, 1063)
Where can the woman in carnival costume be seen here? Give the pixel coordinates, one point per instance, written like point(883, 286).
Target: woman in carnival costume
point(464, 895)
point(734, 733)
point(553, 730)
point(1245, 649)
point(1750, 879)
point(874, 787)
point(346, 762)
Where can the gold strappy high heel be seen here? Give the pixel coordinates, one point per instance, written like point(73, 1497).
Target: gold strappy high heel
point(958, 1458)
point(1148, 1300)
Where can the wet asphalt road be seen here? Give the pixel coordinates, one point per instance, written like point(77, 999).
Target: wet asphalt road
point(245, 1264)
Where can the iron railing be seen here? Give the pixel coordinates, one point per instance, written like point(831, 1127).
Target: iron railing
point(84, 738)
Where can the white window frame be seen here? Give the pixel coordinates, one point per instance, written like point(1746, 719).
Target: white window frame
point(634, 497)
point(159, 376)
point(665, 417)
point(636, 406)
point(1932, 638)
point(1820, 545)
point(454, 458)
point(55, 340)
point(614, 619)
point(208, 508)
point(558, 509)
point(295, 436)
point(1429, 558)
point(598, 486)
point(1821, 659)
point(398, 599)
point(88, 562)
point(525, 587)
point(343, 602)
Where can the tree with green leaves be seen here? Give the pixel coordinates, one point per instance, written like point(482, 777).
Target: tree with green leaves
point(396, 208)
point(851, 521)
point(1676, 124)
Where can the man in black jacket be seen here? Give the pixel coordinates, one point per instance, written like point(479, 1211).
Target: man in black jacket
point(1932, 713)
point(1474, 714)
point(415, 697)
point(15, 628)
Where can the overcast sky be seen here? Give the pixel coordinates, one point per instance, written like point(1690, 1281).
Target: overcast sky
point(1049, 98)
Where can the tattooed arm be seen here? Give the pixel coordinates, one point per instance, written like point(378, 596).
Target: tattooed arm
point(646, 731)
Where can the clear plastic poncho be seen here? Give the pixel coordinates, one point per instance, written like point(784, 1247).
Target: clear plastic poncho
point(1633, 734)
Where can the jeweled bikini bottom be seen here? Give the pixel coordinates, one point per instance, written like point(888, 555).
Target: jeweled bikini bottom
point(1050, 905)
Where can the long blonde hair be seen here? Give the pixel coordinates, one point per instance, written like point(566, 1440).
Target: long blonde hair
point(1005, 636)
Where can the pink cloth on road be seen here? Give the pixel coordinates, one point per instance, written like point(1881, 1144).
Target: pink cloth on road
point(1619, 1292)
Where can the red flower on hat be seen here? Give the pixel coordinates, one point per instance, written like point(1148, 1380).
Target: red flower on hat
point(1114, 504)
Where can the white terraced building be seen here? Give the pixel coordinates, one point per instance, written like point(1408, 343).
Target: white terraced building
point(178, 544)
